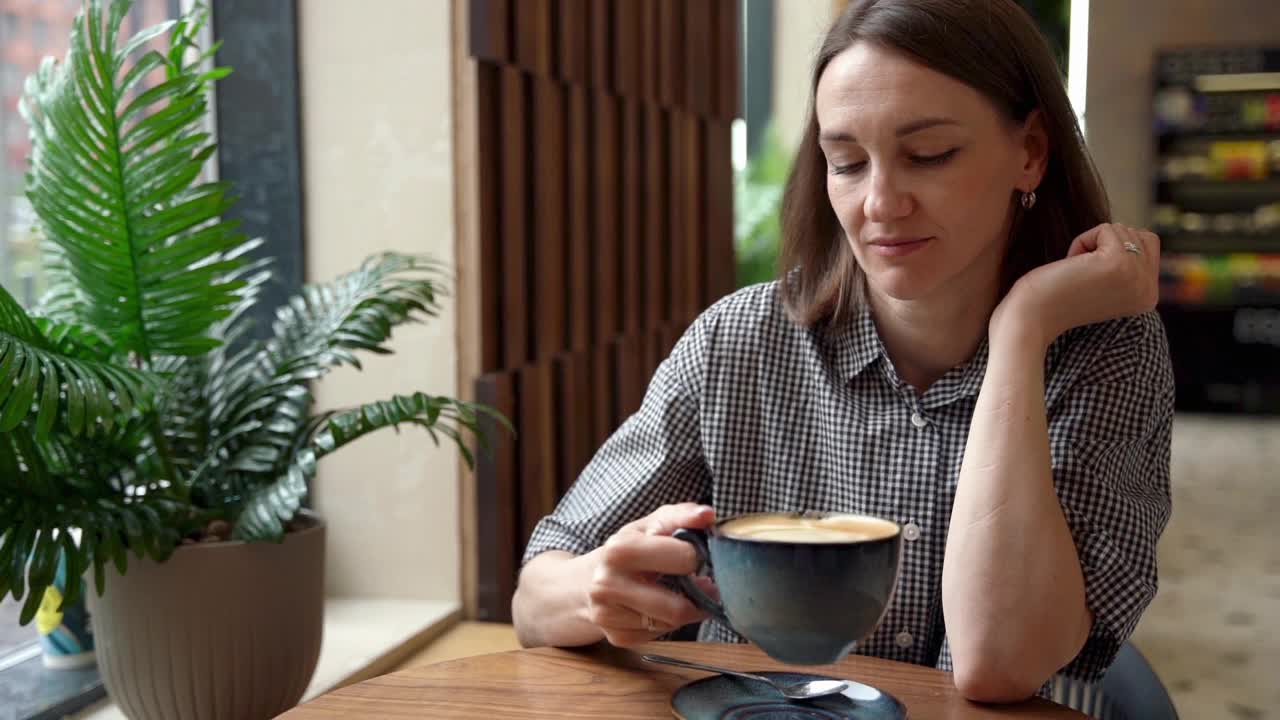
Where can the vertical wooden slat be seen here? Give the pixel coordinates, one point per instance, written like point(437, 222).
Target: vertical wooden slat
point(549, 183)
point(579, 219)
point(728, 75)
point(676, 201)
point(670, 52)
point(489, 215)
point(632, 230)
point(534, 42)
point(626, 47)
point(607, 300)
point(604, 392)
point(489, 27)
point(628, 366)
point(515, 185)
point(537, 413)
point(694, 216)
point(497, 497)
point(657, 239)
point(718, 186)
point(699, 55)
point(477, 312)
point(648, 30)
point(574, 29)
point(601, 50)
point(574, 384)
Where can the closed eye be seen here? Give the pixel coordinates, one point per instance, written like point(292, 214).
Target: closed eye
point(847, 169)
point(939, 159)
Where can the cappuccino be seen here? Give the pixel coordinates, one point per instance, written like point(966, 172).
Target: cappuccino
point(784, 527)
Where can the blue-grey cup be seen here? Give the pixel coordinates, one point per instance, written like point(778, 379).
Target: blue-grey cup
point(804, 587)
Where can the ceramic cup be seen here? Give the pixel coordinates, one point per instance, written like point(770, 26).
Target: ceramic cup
point(804, 587)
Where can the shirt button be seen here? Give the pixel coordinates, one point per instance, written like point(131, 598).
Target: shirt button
point(911, 532)
point(918, 420)
point(904, 639)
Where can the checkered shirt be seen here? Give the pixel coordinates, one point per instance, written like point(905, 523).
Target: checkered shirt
point(752, 412)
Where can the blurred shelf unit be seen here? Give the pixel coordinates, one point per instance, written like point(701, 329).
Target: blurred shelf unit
point(1216, 192)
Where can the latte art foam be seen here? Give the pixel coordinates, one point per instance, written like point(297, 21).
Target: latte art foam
point(790, 528)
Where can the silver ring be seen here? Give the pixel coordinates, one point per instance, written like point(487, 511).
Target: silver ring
point(1133, 248)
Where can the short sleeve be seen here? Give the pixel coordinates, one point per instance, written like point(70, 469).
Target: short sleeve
point(655, 458)
point(1109, 435)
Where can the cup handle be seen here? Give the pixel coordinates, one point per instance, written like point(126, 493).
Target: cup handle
point(685, 585)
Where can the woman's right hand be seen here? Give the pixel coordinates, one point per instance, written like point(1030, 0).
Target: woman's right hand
point(624, 599)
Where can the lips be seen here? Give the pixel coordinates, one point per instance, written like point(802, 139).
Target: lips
point(898, 246)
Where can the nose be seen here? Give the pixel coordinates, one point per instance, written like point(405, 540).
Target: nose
point(885, 200)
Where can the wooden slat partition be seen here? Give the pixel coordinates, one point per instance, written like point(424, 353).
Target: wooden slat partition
point(497, 497)
point(512, 291)
point(550, 172)
point(632, 230)
point(581, 295)
point(605, 226)
point(606, 180)
point(538, 443)
point(603, 399)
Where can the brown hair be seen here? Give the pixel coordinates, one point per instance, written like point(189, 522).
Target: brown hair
point(990, 45)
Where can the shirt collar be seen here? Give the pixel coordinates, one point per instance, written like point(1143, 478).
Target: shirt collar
point(856, 346)
point(856, 343)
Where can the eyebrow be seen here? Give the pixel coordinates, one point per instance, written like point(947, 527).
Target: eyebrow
point(914, 126)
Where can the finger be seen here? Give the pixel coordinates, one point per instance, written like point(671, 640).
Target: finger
point(616, 618)
point(634, 552)
point(666, 607)
point(665, 625)
point(1087, 241)
point(1140, 240)
point(669, 518)
point(1150, 245)
point(628, 638)
point(707, 586)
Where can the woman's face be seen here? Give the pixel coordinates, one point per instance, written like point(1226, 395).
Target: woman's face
point(921, 172)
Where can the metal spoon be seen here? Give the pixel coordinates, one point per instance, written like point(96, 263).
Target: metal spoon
point(799, 691)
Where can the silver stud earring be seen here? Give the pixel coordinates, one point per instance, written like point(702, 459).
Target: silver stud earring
point(1029, 199)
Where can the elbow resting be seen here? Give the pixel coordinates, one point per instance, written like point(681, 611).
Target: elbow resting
point(524, 635)
point(990, 683)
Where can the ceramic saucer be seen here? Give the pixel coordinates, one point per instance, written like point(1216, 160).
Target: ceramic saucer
point(721, 697)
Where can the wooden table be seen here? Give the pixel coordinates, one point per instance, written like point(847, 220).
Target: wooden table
point(605, 682)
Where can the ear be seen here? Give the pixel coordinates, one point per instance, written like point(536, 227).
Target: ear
point(1034, 151)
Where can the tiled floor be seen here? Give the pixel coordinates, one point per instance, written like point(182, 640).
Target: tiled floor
point(1213, 631)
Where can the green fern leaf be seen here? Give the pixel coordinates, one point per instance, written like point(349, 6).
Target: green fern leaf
point(264, 514)
point(113, 181)
point(259, 407)
point(63, 377)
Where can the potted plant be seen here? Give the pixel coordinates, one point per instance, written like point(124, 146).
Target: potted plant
point(138, 413)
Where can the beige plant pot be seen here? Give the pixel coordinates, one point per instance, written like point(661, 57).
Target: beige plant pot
point(220, 630)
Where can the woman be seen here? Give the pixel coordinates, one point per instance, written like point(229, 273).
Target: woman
point(961, 343)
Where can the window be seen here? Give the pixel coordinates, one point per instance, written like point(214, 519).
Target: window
point(10, 79)
point(8, 26)
point(28, 33)
point(40, 32)
point(31, 32)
